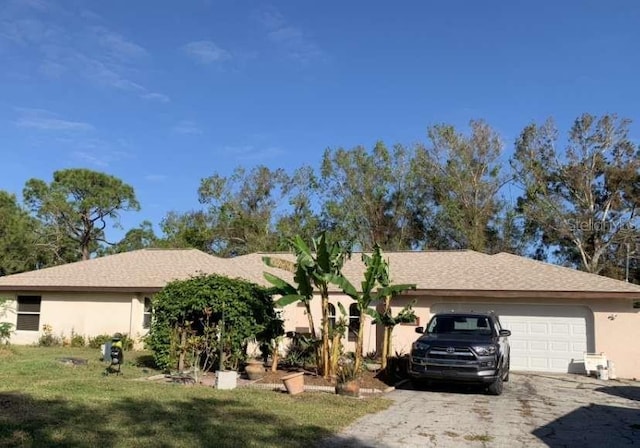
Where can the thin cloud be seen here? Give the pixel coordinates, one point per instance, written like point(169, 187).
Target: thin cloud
point(117, 46)
point(289, 39)
point(44, 120)
point(206, 52)
point(96, 54)
point(154, 96)
point(98, 152)
point(251, 153)
point(187, 127)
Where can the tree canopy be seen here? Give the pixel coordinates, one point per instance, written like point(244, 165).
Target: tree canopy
point(78, 203)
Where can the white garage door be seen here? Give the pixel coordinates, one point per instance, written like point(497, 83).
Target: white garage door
point(543, 338)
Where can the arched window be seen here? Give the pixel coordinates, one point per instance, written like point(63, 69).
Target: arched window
point(354, 322)
point(146, 317)
point(332, 316)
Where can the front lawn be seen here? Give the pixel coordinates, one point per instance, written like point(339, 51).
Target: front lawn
point(46, 403)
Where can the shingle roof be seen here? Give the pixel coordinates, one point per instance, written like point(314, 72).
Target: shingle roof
point(473, 271)
point(140, 269)
point(461, 271)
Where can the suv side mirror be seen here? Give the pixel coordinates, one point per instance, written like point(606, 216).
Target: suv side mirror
point(505, 332)
point(420, 330)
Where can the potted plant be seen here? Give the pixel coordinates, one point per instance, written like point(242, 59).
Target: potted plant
point(254, 368)
point(372, 363)
point(347, 379)
point(294, 383)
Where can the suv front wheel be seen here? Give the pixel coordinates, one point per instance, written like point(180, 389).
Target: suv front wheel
point(497, 386)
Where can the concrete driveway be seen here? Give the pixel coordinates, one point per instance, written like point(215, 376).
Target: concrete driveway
point(534, 410)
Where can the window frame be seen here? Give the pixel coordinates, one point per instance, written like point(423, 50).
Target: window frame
point(332, 316)
point(28, 313)
point(147, 316)
point(354, 323)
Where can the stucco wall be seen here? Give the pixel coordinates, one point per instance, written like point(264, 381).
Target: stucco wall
point(295, 317)
point(87, 314)
point(616, 325)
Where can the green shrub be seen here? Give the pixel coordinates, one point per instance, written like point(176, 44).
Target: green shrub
point(97, 341)
point(5, 332)
point(48, 339)
point(198, 308)
point(77, 340)
point(301, 351)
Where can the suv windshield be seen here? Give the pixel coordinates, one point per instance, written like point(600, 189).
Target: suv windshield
point(460, 324)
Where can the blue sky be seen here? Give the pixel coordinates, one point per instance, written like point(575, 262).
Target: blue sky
point(162, 94)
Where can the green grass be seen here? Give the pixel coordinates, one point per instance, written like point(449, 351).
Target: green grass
point(46, 403)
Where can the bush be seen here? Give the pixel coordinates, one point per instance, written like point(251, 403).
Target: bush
point(77, 340)
point(196, 309)
point(48, 339)
point(301, 351)
point(97, 341)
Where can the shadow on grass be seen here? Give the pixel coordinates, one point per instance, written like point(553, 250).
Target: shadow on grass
point(594, 425)
point(145, 361)
point(628, 392)
point(211, 421)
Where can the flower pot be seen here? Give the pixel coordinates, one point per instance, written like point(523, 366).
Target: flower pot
point(349, 389)
point(373, 366)
point(226, 379)
point(294, 383)
point(254, 370)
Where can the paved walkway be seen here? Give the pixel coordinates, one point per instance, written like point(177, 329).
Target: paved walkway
point(534, 410)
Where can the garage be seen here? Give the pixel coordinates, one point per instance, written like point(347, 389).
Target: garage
point(544, 338)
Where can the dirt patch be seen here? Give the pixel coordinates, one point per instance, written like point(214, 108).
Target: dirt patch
point(525, 408)
point(451, 434)
point(368, 380)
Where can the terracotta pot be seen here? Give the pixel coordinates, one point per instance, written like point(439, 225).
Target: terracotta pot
point(294, 383)
point(254, 370)
point(350, 388)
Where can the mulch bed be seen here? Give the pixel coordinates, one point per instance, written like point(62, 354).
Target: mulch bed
point(368, 380)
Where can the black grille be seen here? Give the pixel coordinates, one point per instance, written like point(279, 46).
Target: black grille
point(29, 304)
point(28, 322)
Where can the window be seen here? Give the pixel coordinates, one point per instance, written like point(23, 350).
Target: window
point(28, 313)
point(460, 324)
point(354, 323)
point(332, 316)
point(146, 319)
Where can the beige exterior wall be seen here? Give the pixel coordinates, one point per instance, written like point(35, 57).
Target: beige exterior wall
point(88, 314)
point(616, 325)
point(295, 317)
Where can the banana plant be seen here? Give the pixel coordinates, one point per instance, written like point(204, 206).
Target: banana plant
point(375, 276)
point(385, 316)
point(315, 268)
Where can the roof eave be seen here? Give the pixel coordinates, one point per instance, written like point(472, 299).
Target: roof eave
point(525, 294)
point(20, 288)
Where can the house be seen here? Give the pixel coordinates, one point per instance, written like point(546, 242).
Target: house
point(556, 314)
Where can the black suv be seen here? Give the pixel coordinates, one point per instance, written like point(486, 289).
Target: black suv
point(466, 347)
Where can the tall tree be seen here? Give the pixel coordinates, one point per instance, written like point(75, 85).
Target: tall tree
point(300, 217)
point(192, 229)
point(464, 178)
point(18, 249)
point(581, 202)
point(368, 196)
point(78, 203)
point(241, 209)
point(137, 238)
